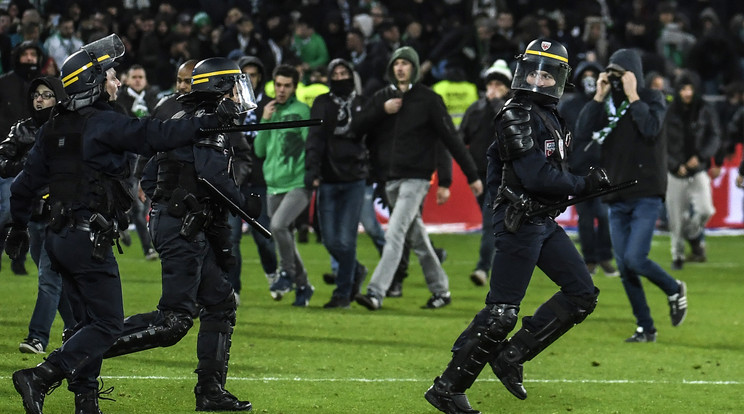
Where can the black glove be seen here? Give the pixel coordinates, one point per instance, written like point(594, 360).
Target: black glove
point(228, 112)
point(596, 180)
point(16, 244)
point(253, 205)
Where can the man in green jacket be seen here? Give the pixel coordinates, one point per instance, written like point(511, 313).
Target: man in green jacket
point(284, 171)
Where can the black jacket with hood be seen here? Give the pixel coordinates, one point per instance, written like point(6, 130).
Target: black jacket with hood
point(14, 149)
point(332, 153)
point(13, 86)
point(635, 149)
point(691, 129)
point(406, 144)
point(582, 155)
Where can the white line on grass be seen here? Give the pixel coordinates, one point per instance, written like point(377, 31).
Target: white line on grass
point(557, 380)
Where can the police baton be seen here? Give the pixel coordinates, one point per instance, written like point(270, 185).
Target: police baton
point(262, 126)
point(237, 210)
point(581, 199)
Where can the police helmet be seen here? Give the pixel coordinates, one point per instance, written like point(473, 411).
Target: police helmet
point(86, 69)
point(542, 68)
point(219, 76)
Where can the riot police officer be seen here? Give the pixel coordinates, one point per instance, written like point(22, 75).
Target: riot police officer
point(81, 155)
point(526, 169)
point(190, 231)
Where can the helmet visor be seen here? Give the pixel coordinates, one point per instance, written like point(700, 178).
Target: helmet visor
point(543, 75)
point(106, 50)
point(243, 93)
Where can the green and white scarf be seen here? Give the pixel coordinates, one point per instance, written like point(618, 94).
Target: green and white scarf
point(613, 116)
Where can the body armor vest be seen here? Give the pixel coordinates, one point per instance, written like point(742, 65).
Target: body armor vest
point(72, 183)
point(554, 146)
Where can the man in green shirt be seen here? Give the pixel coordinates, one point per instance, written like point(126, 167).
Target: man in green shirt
point(284, 171)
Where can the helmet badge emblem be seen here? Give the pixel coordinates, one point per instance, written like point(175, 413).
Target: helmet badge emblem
point(545, 46)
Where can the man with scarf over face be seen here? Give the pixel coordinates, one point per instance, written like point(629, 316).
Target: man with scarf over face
point(626, 119)
point(336, 164)
point(595, 240)
point(13, 87)
point(42, 95)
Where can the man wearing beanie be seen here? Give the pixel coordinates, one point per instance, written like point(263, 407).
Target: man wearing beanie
point(406, 122)
point(477, 131)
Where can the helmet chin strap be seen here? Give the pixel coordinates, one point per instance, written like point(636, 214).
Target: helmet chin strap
point(83, 99)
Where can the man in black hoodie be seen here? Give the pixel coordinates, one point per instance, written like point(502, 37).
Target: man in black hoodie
point(596, 246)
point(406, 122)
point(693, 138)
point(336, 166)
point(626, 119)
point(43, 94)
point(13, 95)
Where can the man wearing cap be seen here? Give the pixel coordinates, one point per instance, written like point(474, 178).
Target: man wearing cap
point(406, 124)
point(626, 120)
point(526, 166)
point(477, 132)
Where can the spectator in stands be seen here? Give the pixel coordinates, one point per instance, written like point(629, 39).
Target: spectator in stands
point(310, 47)
point(64, 42)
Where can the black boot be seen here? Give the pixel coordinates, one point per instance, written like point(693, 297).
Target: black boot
point(35, 383)
point(212, 397)
point(87, 403)
point(508, 367)
point(444, 399)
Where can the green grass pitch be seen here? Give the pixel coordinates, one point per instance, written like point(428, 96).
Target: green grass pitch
point(290, 360)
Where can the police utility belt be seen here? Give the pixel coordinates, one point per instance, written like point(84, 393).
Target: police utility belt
point(519, 208)
point(104, 233)
point(195, 216)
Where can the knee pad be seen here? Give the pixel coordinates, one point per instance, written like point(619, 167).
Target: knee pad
point(501, 320)
point(164, 333)
point(225, 310)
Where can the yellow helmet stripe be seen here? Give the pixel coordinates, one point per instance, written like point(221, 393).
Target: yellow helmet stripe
point(194, 82)
point(68, 79)
point(104, 57)
point(550, 55)
point(217, 73)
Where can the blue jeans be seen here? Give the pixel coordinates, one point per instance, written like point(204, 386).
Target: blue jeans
point(596, 245)
point(339, 209)
point(632, 224)
point(50, 297)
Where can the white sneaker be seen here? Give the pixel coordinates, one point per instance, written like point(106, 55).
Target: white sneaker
point(31, 346)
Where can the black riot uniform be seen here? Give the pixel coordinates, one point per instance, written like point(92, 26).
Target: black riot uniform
point(189, 229)
point(81, 155)
point(526, 169)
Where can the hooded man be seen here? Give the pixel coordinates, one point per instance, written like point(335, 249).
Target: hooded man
point(27, 58)
point(693, 138)
point(596, 247)
point(336, 165)
point(406, 122)
point(626, 120)
point(42, 95)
